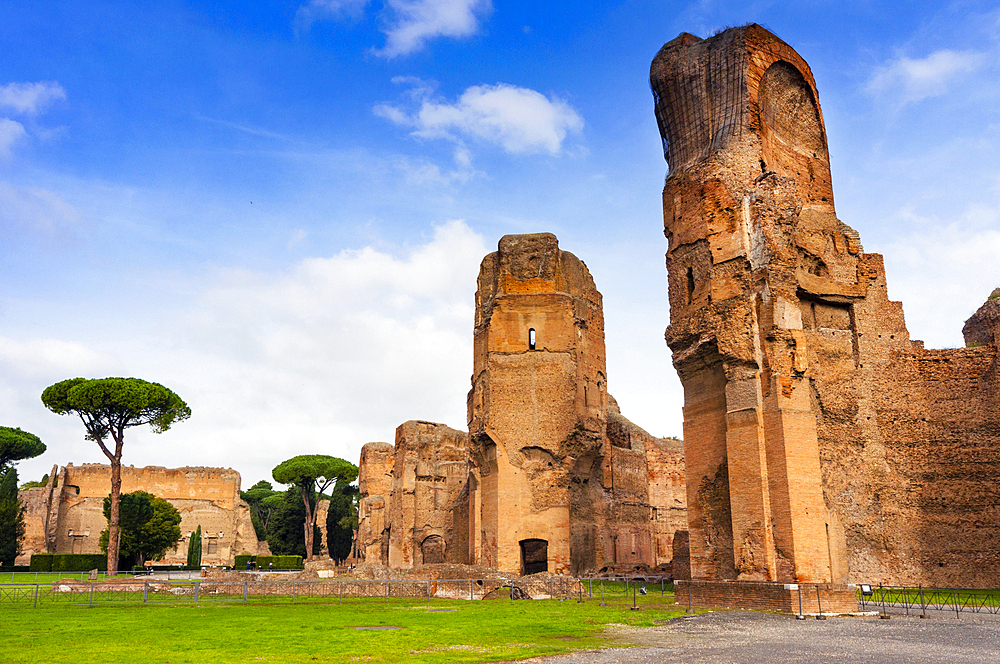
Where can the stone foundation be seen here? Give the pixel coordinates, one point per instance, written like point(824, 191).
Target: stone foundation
point(834, 598)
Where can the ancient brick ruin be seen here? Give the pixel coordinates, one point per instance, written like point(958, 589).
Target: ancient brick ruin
point(552, 478)
point(425, 508)
point(67, 516)
point(822, 443)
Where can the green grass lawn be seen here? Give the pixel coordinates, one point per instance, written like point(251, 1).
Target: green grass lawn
point(438, 631)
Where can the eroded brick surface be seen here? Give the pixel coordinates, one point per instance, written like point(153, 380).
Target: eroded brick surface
point(822, 443)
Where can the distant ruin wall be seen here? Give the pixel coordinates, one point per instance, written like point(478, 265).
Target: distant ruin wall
point(822, 444)
point(68, 517)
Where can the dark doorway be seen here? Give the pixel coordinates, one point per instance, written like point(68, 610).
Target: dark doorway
point(534, 556)
point(432, 549)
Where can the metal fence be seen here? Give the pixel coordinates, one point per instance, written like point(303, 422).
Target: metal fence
point(919, 600)
point(70, 591)
point(32, 577)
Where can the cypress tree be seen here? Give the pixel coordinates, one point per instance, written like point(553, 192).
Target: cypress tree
point(194, 550)
point(11, 519)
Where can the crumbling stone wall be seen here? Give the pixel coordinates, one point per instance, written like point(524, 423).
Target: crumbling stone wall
point(983, 327)
point(37, 509)
point(822, 444)
point(430, 472)
point(70, 509)
point(374, 485)
point(645, 491)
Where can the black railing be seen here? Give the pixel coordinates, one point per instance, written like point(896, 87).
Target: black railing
point(920, 600)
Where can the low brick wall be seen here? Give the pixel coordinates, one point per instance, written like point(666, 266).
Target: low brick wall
point(762, 596)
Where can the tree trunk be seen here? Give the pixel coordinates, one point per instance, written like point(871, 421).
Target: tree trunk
point(310, 517)
point(113, 535)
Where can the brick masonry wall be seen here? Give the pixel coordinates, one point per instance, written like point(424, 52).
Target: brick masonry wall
point(759, 596)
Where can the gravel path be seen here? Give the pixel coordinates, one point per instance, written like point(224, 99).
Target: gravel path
point(738, 637)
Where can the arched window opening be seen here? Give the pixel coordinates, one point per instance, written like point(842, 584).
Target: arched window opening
point(690, 285)
point(531, 339)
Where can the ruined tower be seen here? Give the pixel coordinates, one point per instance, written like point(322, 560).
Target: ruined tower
point(821, 443)
point(551, 477)
point(537, 409)
point(756, 255)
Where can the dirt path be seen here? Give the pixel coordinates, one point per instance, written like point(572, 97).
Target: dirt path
point(758, 638)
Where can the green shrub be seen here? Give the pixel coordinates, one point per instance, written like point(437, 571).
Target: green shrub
point(14, 568)
point(280, 562)
point(68, 562)
point(41, 562)
point(79, 562)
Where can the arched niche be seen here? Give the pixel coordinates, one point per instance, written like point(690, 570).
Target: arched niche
point(793, 142)
point(432, 549)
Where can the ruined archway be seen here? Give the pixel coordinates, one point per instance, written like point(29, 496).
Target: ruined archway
point(432, 549)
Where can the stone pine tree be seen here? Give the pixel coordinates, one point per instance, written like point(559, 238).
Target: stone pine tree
point(11, 518)
point(16, 445)
point(108, 406)
point(194, 550)
point(310, 475)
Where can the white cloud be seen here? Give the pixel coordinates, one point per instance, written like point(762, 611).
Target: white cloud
point(30, 98)
point(52, 359)
point(317, 10)
point(11, 132)
point(417, 21)
point(519, 120)
point(420, 172)
point(910, 80)
point(410, 24)
point(35, 209)
point(333, 353)
point(336, 352)
point(942, 273)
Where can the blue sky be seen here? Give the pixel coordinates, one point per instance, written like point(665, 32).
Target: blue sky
point(278, 209)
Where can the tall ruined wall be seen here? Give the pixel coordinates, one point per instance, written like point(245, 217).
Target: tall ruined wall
point(210, 497)
point(39, 533)
point(562, 482)
point(822, 444)
point(537, 407)
point(424, 515)
point(643, 492)
point(374, 486)
point(667, 495)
